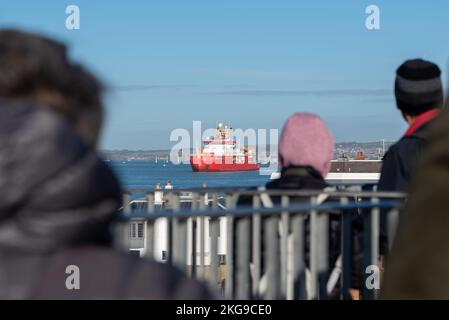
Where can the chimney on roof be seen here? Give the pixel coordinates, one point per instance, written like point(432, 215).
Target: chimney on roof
point(360, 155)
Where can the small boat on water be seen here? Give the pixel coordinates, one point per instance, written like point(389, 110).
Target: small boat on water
point(221, 153)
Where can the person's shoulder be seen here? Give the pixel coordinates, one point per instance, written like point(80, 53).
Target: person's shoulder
point(110, 274)
point(404, 147)
point(145, 278)
point(154, 280)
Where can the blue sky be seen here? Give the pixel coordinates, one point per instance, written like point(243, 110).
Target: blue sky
point(252, 63)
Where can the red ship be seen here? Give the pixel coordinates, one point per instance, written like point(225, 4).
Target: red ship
point(221, 153)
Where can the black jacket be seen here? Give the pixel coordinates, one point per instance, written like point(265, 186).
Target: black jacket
point(399, 161)
point(398, 167)
point(58, 200)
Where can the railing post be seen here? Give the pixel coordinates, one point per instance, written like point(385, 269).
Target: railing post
point(181, 235)
point(202, 240)
point(319, 253)
point(213, 277)
point(193, 225)
point(285, 201)
point(299, 267)
point(313, 252)
point(323, 269)
point(214, 200)
point(392, 225)
point(199, 235)
point(272, 263)
point(371, 252)
point(346, 246)
point(229, 286)
point(243, 283)
point(172, 224)
point(257, 246)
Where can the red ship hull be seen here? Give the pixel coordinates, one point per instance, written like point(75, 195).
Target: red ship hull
point(205, 163)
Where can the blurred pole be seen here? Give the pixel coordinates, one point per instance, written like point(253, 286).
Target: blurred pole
point(285, 220)
point(392, 225)
point(243, 283)
point(213, 277)
point(371, 252)
point(272, 257)
point(299, 267)
point(229, 287)
point(346, 245)
point(257, 247)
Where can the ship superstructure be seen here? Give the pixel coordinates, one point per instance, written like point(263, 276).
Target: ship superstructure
point(221, 153)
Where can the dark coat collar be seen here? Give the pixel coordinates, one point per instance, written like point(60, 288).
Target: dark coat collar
point(298, 177)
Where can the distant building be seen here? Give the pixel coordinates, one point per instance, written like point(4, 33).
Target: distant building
point(356, 166)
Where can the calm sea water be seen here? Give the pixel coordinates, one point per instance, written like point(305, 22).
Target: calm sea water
point(145, 175)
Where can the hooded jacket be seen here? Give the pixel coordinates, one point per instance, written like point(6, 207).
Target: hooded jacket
point(57, 205)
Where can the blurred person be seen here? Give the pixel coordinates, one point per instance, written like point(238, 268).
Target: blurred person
point(59, 199)
point(158, 196)
point(417, 267)
point(305, 152)
point(168, 185)
point(419, 97)
point(36, 71)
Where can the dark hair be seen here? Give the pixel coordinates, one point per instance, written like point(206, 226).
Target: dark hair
point(36, 70)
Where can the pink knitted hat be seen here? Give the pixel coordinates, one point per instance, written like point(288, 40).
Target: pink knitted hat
point(305, 141)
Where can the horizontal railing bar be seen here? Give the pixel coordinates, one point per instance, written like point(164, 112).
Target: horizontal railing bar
point(247, 210)
point(278, 192)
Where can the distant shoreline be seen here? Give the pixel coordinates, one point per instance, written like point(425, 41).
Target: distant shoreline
point(371, 150)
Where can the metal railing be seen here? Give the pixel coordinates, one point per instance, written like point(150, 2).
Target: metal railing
point(257, 250)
